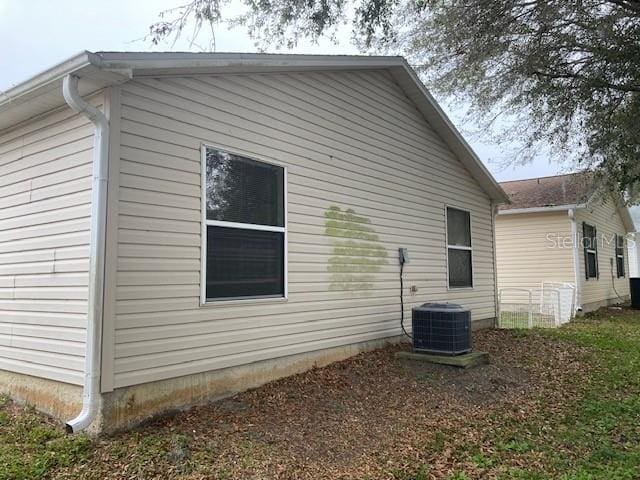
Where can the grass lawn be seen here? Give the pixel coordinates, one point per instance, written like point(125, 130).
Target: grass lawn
point(556, 403)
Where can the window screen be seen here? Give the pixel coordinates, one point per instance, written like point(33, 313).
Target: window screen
point(244, 263)
point(460, 268)
point(459, 251)
point(246, 231)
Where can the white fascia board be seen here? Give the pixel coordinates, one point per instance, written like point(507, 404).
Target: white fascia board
point(43, 92)
point(145, 63)
point(42, 79)
point(555, 208)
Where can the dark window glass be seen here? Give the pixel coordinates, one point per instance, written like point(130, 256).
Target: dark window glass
point(590, 238)
point(620, 265)
point(460, 273)
point(458, 228)
point(244, 263)
point(590, 244)
point(242, 190)
point(592, 267)
point(620, 255)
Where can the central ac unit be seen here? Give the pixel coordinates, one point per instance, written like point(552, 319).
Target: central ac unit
point(443, 328)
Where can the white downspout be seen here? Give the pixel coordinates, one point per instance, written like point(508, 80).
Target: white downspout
point(576, 258)
point(91, 389)
point(496, 294)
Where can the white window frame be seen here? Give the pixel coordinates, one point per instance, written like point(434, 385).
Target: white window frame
point(244, 226)
point(458, 247)
point(620, 256)
point(591, 251)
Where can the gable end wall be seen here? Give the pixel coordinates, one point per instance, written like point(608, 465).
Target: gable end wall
point(349, 140)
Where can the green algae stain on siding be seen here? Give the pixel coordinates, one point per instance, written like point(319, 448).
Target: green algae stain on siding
point(357, 253)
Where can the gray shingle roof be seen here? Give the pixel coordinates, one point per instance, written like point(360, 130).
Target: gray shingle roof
point(570, 189)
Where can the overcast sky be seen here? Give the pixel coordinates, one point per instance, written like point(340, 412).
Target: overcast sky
point(36, 34)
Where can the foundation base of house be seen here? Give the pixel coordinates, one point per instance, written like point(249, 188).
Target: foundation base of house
point(593, 306)
point(126, 407)
point(467, 360)
point(484, 323)
point(60, 400)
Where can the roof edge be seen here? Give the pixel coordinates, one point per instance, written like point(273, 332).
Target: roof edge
point(114, 67)
point(627, 219)
point(554, 208)
point(492, 186)
point(568, 174)
point(39, 80)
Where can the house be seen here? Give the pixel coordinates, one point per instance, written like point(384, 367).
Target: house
point(561, 230)
point(634, 244)
point(634, 255)
point(177, 227)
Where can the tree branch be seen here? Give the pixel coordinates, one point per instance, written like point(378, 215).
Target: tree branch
point(598, 83)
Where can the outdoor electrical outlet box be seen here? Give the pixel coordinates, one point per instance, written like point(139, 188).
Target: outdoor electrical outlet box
point(403, 256)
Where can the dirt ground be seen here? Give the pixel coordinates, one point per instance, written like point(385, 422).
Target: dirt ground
point(370, 416)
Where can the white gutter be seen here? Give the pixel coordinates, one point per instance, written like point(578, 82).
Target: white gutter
point(555, 208)
point(576, 258)
point(45, 79)
point(91, 389)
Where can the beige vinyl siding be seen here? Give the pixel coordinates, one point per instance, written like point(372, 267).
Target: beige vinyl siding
point(533, 248)
point(348, 139)
point(45, 205)
point(605, 217)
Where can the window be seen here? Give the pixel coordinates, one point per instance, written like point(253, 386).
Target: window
point(245, 220)
point(620, 255)
point(590, 244)
point(459, 252)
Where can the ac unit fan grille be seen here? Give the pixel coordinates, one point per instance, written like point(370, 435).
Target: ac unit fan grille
point(441, 330)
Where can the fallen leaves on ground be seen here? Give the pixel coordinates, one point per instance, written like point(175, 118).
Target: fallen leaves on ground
point(374, 417)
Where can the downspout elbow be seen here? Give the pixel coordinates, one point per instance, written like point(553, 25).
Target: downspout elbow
point(91, 385)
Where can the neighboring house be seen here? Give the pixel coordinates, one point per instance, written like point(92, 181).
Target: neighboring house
point(557, 229)
point(243, 224)
point(634, 244)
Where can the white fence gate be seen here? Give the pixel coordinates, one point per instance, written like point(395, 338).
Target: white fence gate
point(551, 305)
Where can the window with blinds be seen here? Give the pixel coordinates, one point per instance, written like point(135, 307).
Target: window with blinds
point(245, 227)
